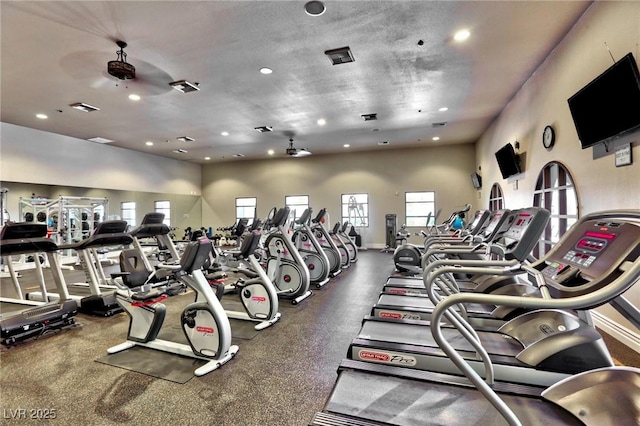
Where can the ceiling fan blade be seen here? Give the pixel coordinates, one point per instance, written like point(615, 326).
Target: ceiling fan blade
point(302, 153)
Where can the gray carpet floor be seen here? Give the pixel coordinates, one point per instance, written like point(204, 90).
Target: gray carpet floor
point(282, 376)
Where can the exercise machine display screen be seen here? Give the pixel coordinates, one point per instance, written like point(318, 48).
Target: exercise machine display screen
point(595, 248)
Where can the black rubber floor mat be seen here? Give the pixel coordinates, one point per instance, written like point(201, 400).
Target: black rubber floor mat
point(162, 365)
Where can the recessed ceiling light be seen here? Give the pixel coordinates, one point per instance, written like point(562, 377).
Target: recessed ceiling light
point(148, 143)
point(42, 116)
point(225, 133)
point(134, 97)
point(322, 122)
point(346, 145)
point(443, 109)
point(265, 70)
point(314, 8)
point(435, 138)
point(271, 152)
point(207, 158)
point(461, 35)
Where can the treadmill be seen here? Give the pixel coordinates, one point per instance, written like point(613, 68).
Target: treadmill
point(544, 341)
point(521, 233)
point(408, 257)
point(595, 262)
point(472, 245)
point(94, 296)
point(22, 319)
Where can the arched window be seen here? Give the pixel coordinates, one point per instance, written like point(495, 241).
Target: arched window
point(555, 192)
point(496, 200)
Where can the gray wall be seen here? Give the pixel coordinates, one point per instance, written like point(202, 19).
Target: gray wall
point(385, 175)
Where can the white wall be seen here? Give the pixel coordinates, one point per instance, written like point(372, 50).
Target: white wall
point(34, 156)
point(542, 101)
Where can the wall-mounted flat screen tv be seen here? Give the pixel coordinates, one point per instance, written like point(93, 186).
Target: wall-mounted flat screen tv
point(609, 106)
point(508, 161)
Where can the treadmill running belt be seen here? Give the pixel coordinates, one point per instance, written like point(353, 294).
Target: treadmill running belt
point(399, 401)
point(420, 335)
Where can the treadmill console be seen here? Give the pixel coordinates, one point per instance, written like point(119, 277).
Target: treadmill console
point(526, 228)
point(495, 224)
point(589, 256)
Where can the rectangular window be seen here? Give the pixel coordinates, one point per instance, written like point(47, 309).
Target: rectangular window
point(128, 212)
point(355, 209)
point(163, 207)
point(420, 206)
point(246, 208)
point(297, 203)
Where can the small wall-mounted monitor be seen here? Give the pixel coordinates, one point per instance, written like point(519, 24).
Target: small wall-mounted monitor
point(508, 161)
point(608, 107)
point(476, 180)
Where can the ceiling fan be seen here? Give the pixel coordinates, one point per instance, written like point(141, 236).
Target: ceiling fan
point(108, 72)
point(295, 152)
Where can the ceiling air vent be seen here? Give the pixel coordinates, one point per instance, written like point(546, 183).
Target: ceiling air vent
point(98, 139)
point(185, 139)
point(264, 129)
point(184, 86)
point(369, 117)
point(339, 56)
point(441, 124)
point(81, 106)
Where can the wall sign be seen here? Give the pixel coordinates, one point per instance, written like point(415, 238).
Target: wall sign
point(623, 155)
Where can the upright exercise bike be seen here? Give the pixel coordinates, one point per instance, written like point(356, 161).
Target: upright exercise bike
point(204, 322)
point(257, 293)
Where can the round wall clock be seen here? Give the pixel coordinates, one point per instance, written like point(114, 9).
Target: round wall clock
point(548, 137)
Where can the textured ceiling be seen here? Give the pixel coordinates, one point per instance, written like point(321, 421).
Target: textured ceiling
point(55, 53)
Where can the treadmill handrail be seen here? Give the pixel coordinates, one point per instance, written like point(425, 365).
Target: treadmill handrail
point(585, 301)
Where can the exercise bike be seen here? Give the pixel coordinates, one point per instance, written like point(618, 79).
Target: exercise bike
point(204, 322)
point(257, 294)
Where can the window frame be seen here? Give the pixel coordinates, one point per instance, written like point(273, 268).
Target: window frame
point(243, 215)
point(358, 201)
point(424, 220)
point(553, 187)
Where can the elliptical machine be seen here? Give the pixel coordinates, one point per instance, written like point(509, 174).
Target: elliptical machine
point(351, 245)
point(204, 322)
point(326, 242)
point(285, 266)
point(314, 256)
